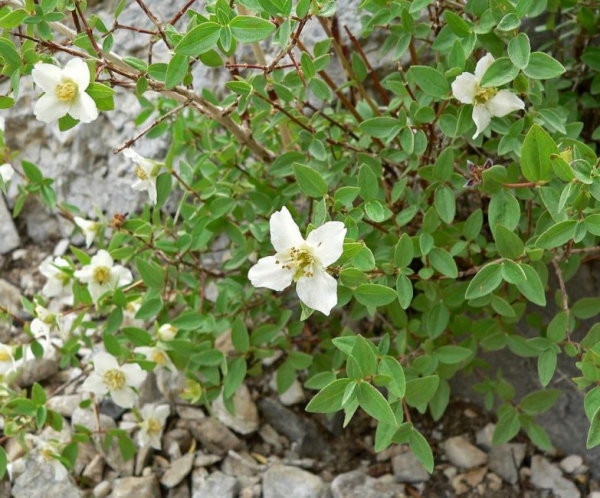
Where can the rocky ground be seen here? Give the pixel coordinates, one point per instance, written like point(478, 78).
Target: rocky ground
point(271, 448)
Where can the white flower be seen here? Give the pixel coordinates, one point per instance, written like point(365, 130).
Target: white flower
point(110, 377)
point(302, 261)
point(59, 281)
point(2, 124)
point(7, 360)
point(166, 332)
point(101, 276)
point(158, 356)
point(6, 172)
point(152, 425)
point(45, 323)
point(64, 92)
point(89, 229)
point(46, 452)
point(487, 102)
point(146, 170)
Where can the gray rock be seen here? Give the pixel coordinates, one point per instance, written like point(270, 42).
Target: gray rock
point(245, 420)
point(407, 468)
point(462, 453)
point(65, 404)
point(204, 460)
point(545, 475)
point(180, 437)
point(483, 438)
point(9, 237)
point(138, 487)
point(181, 491)
point(214, 436)
point(93, 470)
point(571, 464)
point(240, 465)
point(86, 418)
point(178, 470)
point(39, 369)
point(217, 484)
point(10, 298)
point(357, 484)
point(101, 490)
point(293, 396)
point(39, 480)
point(109, 408)
point(505, 460)
point(283, 481)
point(300, 430)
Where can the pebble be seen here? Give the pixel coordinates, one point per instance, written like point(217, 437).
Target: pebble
point(357, 484)
point(463, 454)
point(101, 490)
point(545, 475)
point(94, 470)
point(571, 464)
point(505, 460)
point(128, 487)
point(214, 436)
point(86, 418)
point(218, 485)
point(294, 394)
point(245, 421)
point(178, 470)
point(283, 481)
point(40, 476)
point(181, 491)
point(407, 468)
point(204, 460)
point(65, 404)
point(483, 438)
point(270, 436)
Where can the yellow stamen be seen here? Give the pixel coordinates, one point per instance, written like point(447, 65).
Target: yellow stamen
point(482, 95)
point(4, 355)
point(159, 357)
point(114, 379)
point(102, 275)
point(300, 260)
point(141, 173)
point(154, 427)
point(66, 91)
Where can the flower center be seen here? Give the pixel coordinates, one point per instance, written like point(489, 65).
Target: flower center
point(66, 91)
point(114, 379)
point(141, 173)
point(300, 260)
point(159, 357)
point(4, 355)
point(154, 427)
point(482, 95)
point(47, 454)
point(102, 275)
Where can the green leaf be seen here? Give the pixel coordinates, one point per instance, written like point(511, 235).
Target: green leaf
point(539, 401)
point(504, 209)
point(512, 272)
point(236, 372)
point(392, 367)
point(532, 288)
point(367, 181)
point(239, 335)
point(404, 251)
point(176, 70)
point(451, 355)
point(445, 203)
point(557, 235)
point(542, 67)
point(500, 72)
point(374, 403)
point(443, 262)
point(593, 438)
point(152, 274)
point(507, 427)
point(586, 308)
point(363, 353)
point(486, 280)
point(430, 80)
point(557, 328)
point(374, 295)
point(457, 24)
point(380, 127)
point(3, 462)
point(250, 29)
point(592, 224)
point(420, 391)
point(509, 244)
point(420, 447)
point(404, 289)
point(310, 181)
point(329, 399)
point(127, 447)
point(444, 165)
point(539, 437)
point(32, 172)
point(519, 50)
point(535, 155)
point(199, 40)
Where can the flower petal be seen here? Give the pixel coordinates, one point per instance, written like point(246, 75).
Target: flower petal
point(84, 108)
point(48, 108)
point(482, 66)
point(318, 292)
point(464, 88)
point(119, 275)
point(103, 362)
point(327, 242)
point(102, 258)
point(78, 71)
point(503, 103)
point(6, 172)
point(52, 288)
point(162, 412)
point(285, 234)
point(125, 397)
point(39, 329)
point(94, 384)
point(46, 76)
point(482, 118)
point(134, 375)
point(267, 273)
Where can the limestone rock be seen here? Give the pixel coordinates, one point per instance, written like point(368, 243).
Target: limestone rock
point(407, 468)
point(245, 420)
point(39, 480)
point(178, 470)
point(129, 487)
point(283, 481)
point(463, 454)
point(505, 460)
point(217, 484)
point(545, 475)
point(357, 484)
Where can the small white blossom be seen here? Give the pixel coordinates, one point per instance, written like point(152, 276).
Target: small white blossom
point(152, 425)
point(146, 171)
point(166, 332)
point(2, 124)
point(158, 356)
point(45, 322)
point(46, 452)
point(6, 172)
point(487, 102)
point(89, 229)
point(64, 92)
point(302, 261)
point(7, 360)
point(101, 276)
point(59, 281)
point(110, 377)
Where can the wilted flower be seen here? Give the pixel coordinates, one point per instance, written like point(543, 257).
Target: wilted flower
point(302, 261)
point(6, 172)
point(146, 171)
point(59, 281)
point(89, 229)
point(487, 102)
point(110, 377)
point(166, 332)
point(477, 172)
point(64, 92)
point(101, 276)
point(152, 425)
point(44, 323)
point(158, 356)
